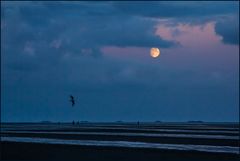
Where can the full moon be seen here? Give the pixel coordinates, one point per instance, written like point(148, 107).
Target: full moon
point(155, 52)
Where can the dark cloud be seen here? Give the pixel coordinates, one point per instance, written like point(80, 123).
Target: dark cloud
point(86, 24)
point(49, 31)
point(228, 28)
point(191, 13)
point(177, 9)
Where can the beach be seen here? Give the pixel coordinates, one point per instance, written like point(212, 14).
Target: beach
point(120, 141)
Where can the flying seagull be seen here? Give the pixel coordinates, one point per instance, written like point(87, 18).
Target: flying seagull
point(72, 100)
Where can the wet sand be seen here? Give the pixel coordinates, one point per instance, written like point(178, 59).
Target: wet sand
point(154, 139)
point(31, 151)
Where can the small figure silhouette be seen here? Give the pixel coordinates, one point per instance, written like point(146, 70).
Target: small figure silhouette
point(73, 122)
point(72, 100)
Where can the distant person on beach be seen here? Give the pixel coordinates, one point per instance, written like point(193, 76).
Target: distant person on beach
point(72, 100)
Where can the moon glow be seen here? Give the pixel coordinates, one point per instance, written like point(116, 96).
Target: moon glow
point(155, 52)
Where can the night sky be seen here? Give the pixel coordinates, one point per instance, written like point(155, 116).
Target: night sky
point(99, 52)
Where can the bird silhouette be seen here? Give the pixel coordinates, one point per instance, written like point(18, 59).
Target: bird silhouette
point(72, 100)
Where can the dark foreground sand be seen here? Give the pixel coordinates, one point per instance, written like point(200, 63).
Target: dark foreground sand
point(35, 151)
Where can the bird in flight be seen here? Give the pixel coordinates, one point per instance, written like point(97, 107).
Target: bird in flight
point(72, 100)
